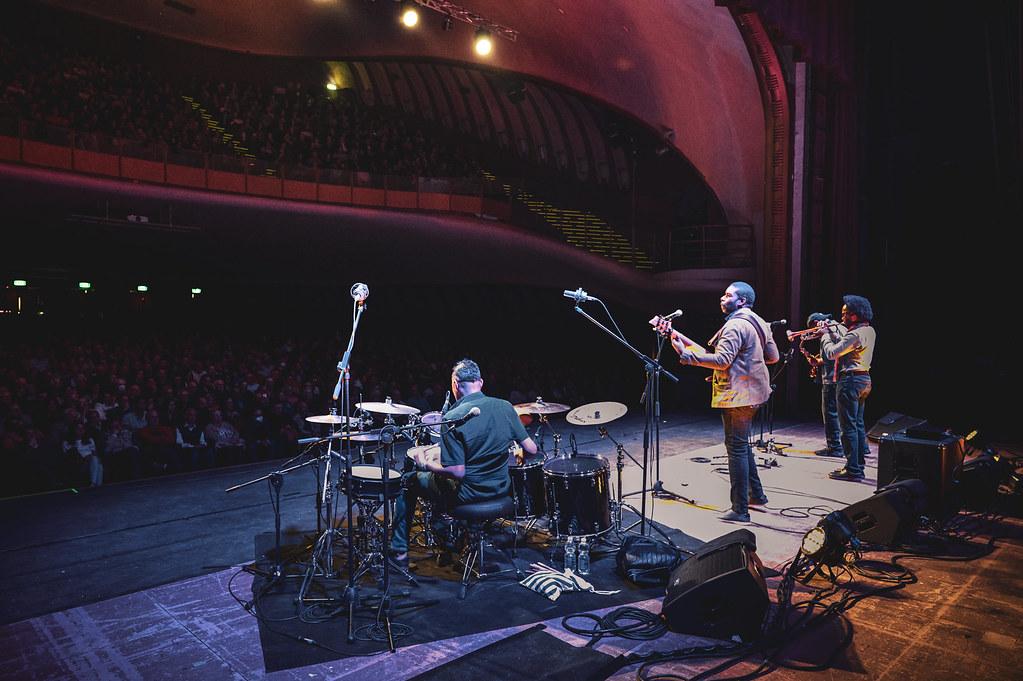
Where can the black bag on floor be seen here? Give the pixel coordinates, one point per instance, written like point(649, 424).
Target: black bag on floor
point(648, 561)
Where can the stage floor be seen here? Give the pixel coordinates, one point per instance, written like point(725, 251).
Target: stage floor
point(131, 580)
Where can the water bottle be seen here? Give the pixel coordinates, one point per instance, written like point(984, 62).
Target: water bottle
point(570, 555)
point(583, 557)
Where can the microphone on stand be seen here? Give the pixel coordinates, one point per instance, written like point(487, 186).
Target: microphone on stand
point(779, 322)
point(578, 295)
point(669, 317)
point(471, 414)
point(360, 292)
point(447, 403)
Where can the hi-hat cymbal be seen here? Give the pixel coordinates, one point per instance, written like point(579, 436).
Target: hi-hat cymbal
point(332, 419)
point(596, 413)
point(387, 408)
point(541, 407)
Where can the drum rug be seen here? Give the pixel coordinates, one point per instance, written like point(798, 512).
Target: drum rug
point(427, 611)
point(530, 654)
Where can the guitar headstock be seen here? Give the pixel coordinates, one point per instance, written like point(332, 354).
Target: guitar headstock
point(661, 325)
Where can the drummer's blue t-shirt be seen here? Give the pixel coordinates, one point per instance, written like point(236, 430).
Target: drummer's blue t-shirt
point(481, 445)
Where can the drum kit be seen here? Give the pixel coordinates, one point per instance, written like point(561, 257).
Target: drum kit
point(565, 492)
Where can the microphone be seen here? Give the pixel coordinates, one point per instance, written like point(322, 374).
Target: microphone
point(669, 317)
point(779, 322)
point(360, 292)
point(447, 403)
point(578, 295)
point(471, 414)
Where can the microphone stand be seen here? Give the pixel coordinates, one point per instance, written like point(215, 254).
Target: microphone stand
point(654, 369)
point(766, 413)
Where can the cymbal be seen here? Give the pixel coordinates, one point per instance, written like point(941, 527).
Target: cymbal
point(596, 413)
point(329, 419)
point(541, 407)
point(387, 408)
point(364, 437)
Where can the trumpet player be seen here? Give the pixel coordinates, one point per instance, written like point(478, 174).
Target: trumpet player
point(825, 373)
point(854, 351)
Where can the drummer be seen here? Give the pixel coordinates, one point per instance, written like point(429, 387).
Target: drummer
point(473, 462)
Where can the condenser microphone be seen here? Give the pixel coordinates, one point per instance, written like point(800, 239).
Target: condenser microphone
point(578, 295)
point(360, 292)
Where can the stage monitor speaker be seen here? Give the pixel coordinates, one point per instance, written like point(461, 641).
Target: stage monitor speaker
point(934, 460)
point(890, 515)
point(719, 592)
point(892, 422)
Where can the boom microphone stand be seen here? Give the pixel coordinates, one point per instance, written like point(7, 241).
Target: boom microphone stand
point(766, 413)
point(654, 369)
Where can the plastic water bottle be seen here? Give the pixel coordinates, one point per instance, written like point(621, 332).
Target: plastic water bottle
point(583, 559)
point(570, 555)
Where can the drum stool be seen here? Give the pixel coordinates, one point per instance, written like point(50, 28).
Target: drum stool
point(476, 518)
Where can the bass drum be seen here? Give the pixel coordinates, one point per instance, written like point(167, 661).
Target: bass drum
point(578, 495)
point(527, 487)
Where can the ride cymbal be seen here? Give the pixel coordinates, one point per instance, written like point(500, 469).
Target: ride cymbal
point(541, 407)
point(387, 408)
point(596, 413)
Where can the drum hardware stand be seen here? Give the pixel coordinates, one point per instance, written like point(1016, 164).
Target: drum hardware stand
point(620, 466)
point(275, 480)
point(652, 404)
point(539, 434)
point(766, 413)
point(383, 604)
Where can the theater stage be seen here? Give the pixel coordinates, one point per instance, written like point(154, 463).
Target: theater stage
point(132, 581)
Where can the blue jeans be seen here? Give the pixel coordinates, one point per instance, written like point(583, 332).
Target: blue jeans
point(853, 390)
point(829, 412)
point(742, 467)
point(421, 485)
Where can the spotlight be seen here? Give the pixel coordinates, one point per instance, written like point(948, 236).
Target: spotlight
point(142, 288)
point(20, 283)
point(826, 543)
point(332, 86)
point(409, 15)
point(196, 290)
point(483, 43)
point(85, 285)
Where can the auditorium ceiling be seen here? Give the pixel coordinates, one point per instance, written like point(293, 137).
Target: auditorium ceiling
point(679, 67)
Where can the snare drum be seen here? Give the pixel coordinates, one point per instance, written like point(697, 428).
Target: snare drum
point(578, 495)
point(527, 487)
point(367, 482)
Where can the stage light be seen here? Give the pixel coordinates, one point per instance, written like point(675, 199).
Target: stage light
point(20, 283)
point(448, 23)
point(85, 285)
point(409, 15)
point(141, 288)
point(331, 86)
point(483, 43)
point(196, 291)
point(826, 543)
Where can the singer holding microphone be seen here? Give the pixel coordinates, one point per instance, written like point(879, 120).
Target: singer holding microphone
point(741, 350)
point(473, 462)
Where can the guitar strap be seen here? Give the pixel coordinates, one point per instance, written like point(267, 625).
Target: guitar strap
point(760, 333)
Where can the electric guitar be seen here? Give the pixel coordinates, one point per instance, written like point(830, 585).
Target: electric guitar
point(663, 327)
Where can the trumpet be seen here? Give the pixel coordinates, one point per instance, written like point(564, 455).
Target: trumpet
point(809, 334)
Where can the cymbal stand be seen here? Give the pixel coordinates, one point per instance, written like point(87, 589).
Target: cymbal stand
point(542, 421)
point(619, 465)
